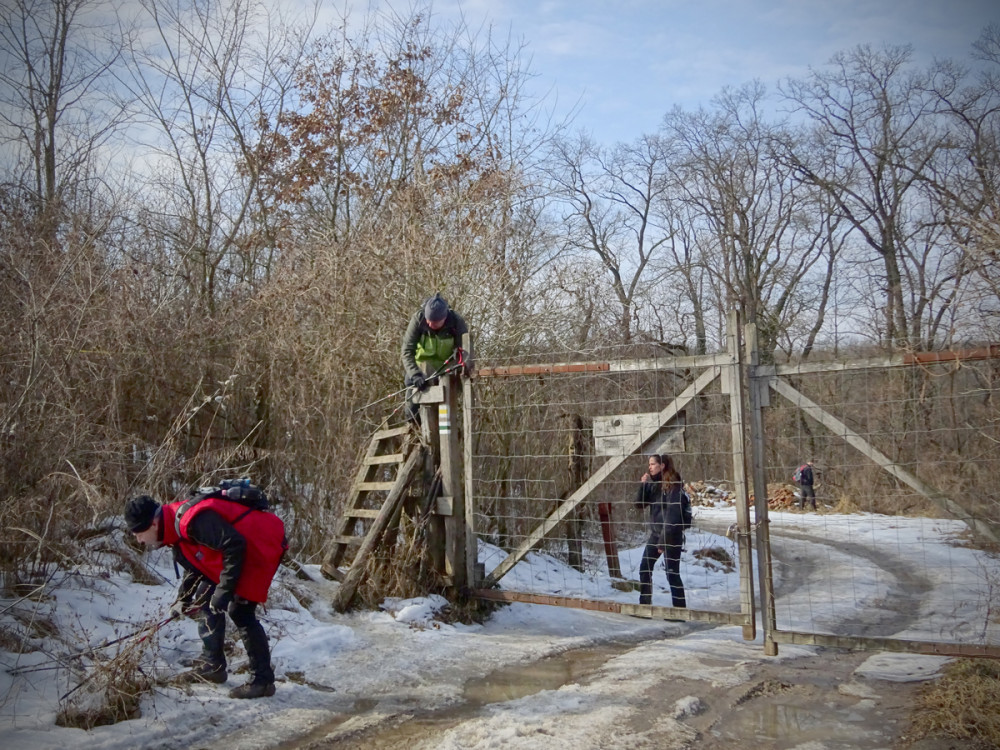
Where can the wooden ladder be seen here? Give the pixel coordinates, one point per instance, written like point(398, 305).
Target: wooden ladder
point(379, 486)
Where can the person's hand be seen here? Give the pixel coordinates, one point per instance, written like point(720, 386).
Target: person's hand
point(220, 601)
point(645, 477)
point(468, 364)
point(417, 381)
point(183, 608)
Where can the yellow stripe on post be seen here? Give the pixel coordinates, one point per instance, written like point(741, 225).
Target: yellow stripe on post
point(444, 419)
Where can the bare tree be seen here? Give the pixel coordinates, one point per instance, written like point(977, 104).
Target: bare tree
point(205, 78)
point(753, 232)
point(56, 111)
point(966, 181)
point(878, 127)
point(610, 199)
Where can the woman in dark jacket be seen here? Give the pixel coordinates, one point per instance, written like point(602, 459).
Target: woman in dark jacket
point(662, 491)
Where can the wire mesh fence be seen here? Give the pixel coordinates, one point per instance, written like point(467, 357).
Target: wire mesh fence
point(904, 455)
point(541, 432)
point(906, 465)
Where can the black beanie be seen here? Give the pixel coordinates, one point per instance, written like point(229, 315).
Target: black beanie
point(435, 309)
point(140, 512)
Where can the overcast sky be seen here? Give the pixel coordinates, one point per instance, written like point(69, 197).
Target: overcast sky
point(628, 62)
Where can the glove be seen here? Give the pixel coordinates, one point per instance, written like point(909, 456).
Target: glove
point(417, 381)
point(183, 608)
point(220, 601)
point(468, 365)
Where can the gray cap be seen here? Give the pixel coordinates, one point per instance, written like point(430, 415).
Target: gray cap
point(435, 309)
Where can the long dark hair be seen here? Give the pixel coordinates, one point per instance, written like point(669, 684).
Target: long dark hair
point(671, 477)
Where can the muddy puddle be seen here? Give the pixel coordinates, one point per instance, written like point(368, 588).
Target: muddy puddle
point(505, 684)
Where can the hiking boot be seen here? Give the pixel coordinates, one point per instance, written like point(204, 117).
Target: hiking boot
point(194, 661)
point(253, 690)
point(205, 672)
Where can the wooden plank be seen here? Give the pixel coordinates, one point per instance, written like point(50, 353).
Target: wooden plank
point(388, 458)
point(444, 506)
point(853, 439)
point(601, 605)
point(374, 486)
point(867, 643)
point(613, 434)
point(991, 351)
point(655, 364)
point(349, 540)
point(553, 369)
point(602, 473)
point(361, 513)
point(345, 594)
point(434, 394)
point(390, 433)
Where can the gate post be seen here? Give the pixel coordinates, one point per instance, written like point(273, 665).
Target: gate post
point(429, 401)
point(733, 381)
point(759, 398)
point(452, 505)
point(474, 572)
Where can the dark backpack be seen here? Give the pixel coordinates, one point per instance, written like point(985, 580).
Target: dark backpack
point(235, 490)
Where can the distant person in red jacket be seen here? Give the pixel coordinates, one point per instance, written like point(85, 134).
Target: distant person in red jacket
point(229, 553)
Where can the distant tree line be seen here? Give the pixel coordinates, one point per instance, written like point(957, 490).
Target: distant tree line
point(215, 220)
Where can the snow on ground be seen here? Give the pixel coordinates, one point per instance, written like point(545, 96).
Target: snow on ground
point(370, 664)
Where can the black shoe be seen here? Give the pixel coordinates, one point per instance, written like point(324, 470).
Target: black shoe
point(214, 673)
point(253, 690)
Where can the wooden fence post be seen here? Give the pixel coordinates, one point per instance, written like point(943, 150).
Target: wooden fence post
point(758, 387)
point(733, 381)
point(452, 501)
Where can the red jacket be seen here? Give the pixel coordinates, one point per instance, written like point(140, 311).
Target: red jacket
point(264, 533)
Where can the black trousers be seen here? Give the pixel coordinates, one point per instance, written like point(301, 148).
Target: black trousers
point(672, 559)
point(212, 630)
point(807, 491)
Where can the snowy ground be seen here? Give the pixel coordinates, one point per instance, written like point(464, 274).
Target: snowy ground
point(371, 665)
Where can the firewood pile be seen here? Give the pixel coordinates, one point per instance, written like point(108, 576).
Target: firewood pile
point(702, 493)
point(780, 496)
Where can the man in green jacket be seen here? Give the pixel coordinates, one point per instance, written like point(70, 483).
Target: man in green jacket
point(432, 339)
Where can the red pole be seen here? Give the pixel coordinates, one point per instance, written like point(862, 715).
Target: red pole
point(610, 548)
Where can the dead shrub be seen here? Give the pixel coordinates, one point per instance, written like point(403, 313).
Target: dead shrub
point(14, 642)
point(402, 568)
point(961, 705)
point(111, 692)
point(715, 558)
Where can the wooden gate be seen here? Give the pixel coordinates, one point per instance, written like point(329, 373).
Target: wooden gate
point(555, 451)
point(531, 495)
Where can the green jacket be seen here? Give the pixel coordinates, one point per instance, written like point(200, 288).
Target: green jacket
point(423, 345)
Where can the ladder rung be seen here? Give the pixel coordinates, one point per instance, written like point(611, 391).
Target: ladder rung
point(375, 486)
point(394, 432)
point(361, 513)
point(352, 540)
point(389, 458)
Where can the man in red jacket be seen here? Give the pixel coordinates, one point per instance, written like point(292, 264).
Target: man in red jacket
point(229, 553)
